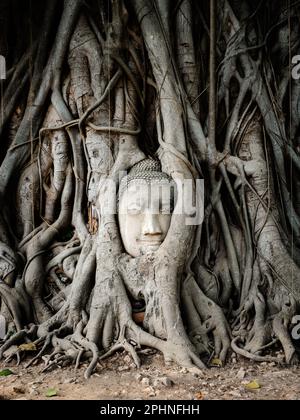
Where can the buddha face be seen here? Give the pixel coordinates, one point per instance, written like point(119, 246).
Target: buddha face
point(145, 215)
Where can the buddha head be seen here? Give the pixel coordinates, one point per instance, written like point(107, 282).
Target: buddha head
point(146, 201)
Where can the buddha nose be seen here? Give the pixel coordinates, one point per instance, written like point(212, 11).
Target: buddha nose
point(151, 225)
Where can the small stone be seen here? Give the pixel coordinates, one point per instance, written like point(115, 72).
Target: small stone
point(291, 396)
point(272, 364)
point(138, 377)
point(183, 370)
point(123, 368)
point(167, 382)
point(234, 360)
point(127, 359)
point(35, 383)
point(132, 366)
point(69, 381)
point(157, 382)
point(33, 391)
point(241, 374)
point(150, 391)
point(145, 381)
point(234, 393)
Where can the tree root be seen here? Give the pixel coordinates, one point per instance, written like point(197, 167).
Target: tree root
point(123, 343)
point(204, 316)
point(17, 338)
point(252, 356)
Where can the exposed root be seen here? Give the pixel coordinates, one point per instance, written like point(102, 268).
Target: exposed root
point(124, 344)
point(17, 338)
point(59, 361)
point(252, 356)
point(204, 317)
point(13, 353)
point(46, 344)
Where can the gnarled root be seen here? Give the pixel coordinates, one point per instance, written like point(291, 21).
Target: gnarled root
point(204, 316)
point(274, 308)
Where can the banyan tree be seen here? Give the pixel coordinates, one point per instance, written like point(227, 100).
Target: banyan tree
point(149, 180)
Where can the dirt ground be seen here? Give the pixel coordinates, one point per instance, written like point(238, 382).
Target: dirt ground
point(118, 379)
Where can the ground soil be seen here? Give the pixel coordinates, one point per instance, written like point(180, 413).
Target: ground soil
point(117, 378)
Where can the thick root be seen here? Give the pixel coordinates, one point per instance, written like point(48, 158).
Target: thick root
point(203, 317)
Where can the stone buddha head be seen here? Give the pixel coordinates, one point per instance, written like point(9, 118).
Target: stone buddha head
point(146, 202)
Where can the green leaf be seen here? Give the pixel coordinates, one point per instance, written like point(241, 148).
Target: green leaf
point(253, 385)
point(6, 372)
point(28, 347)
point(51, 392)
